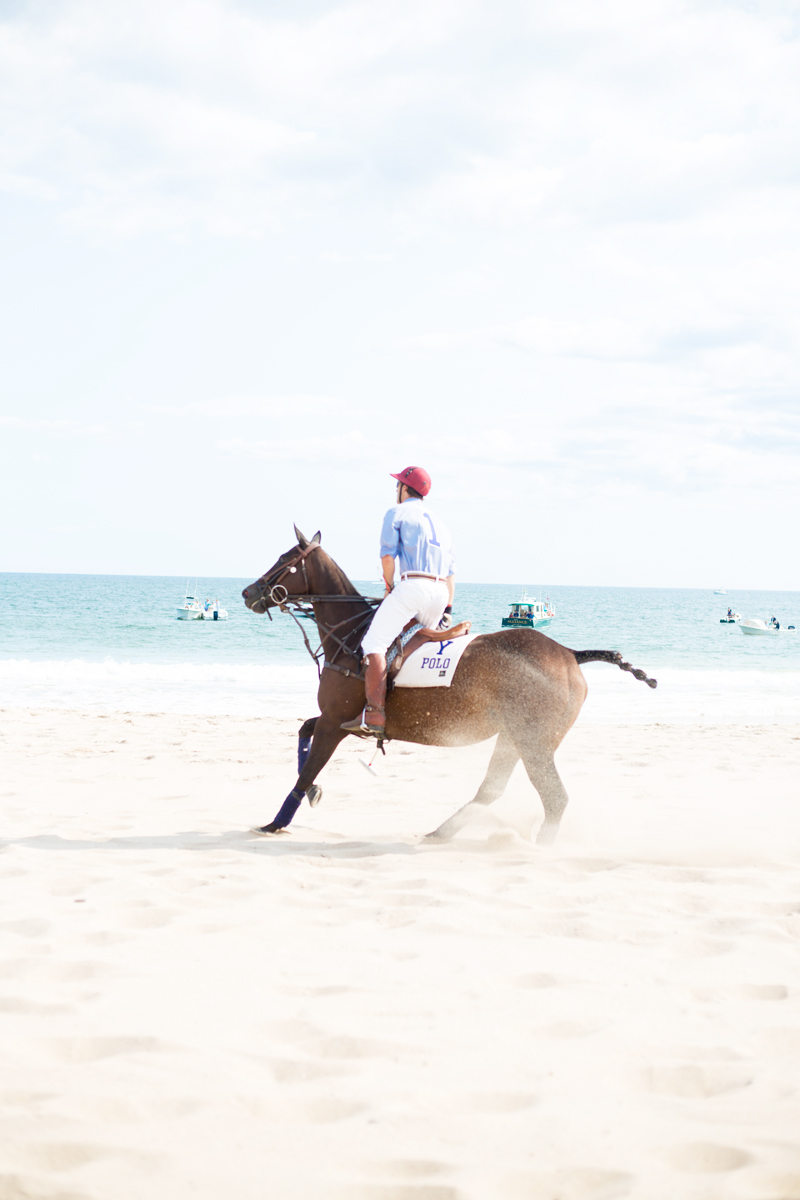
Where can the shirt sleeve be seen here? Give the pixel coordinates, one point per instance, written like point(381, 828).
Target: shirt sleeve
point(390, 534)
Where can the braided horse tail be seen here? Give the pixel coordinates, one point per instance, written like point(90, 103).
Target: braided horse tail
point(613, 656)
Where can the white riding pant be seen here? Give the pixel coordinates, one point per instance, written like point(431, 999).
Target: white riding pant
point(423, 599)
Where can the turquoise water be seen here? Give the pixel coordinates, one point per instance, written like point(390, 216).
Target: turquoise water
point(113, 641)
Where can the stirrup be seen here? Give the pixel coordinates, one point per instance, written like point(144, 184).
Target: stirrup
point(361, 727)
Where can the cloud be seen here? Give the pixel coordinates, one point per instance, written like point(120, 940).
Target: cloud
point(350, 447)
point(236, 120)
point(250, 406)
point(57, 428)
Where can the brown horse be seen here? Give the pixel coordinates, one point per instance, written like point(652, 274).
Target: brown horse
point(517, 683)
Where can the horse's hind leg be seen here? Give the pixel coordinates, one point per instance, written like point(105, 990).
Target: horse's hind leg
point(502, 763)
point(545, 778)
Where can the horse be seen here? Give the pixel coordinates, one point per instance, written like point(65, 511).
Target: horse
point(517, 684)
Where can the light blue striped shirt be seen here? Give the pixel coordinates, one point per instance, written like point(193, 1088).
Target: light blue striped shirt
point(418, 540)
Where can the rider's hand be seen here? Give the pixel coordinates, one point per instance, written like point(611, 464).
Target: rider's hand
point(447, 618)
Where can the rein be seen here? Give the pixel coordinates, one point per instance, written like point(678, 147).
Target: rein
point(303, 603)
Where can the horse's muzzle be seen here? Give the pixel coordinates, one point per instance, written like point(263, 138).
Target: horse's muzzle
point(254, 599)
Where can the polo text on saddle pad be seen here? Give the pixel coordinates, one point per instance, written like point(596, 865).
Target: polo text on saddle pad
point(434, 663)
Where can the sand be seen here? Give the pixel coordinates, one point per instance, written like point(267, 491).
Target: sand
point(346, 1012)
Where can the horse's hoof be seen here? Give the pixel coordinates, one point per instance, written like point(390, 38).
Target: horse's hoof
point(314, 794)
point(268, 830)
point(546, 836)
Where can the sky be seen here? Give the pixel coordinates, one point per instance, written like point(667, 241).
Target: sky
point(256, 256)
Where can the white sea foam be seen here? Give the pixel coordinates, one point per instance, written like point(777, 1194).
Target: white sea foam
point(691, 697)
point(108, 686)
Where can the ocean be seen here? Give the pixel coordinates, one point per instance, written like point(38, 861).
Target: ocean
point(112, 642)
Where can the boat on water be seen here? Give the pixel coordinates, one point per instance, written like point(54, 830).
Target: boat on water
point(530, 614)
point(732, 618)
point(720, 592)
point(193, 609)
point(755, 626)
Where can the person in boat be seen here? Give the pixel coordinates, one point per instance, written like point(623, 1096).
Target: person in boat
point(418, 543)
point(730, 614)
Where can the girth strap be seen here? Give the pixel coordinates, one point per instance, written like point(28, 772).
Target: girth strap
point(332, 666)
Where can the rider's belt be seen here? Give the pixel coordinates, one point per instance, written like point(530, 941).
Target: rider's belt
point(419, 575)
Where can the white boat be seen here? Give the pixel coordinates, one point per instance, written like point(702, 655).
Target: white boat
point(720, 592)
point(733, 618)
point(754, 625)
point(193, 610)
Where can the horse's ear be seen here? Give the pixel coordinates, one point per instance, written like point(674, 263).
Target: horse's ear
point(317, 538)
point(302, 540)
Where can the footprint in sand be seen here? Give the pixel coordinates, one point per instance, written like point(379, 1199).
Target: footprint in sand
point(90, 1049)
point(406, 1168)
point(344, 1046)
point(537, 980)
point(148, 918)
point(398, 1191)
point(292, 1070)
point(578, 1183)
point(707, 1157)
point(313, 1110)
point(146, 1109)
point(688, 1079)
point(761, 991)
point(570, 1029)
point(15, 1004)
point(66, 1156)
point(59, 1156)
point(493, 1103)
point(32, 927)
point(79, 972)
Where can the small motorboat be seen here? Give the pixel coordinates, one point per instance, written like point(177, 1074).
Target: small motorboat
point(720, 592)
point(733, 618)
point(754, 625)
point(530, 614)
point(193, 610)
point(213, 612)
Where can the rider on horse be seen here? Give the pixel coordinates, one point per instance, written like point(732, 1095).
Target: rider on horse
point(424, 550)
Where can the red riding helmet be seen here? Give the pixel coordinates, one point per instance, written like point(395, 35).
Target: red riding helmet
point(416, 478)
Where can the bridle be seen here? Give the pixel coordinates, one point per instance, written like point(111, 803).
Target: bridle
point(273, 581)
point(272, 588)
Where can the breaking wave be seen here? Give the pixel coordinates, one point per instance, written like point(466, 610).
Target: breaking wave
point(683, 696)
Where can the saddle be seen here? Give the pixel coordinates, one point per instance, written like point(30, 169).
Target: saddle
point(415, 635)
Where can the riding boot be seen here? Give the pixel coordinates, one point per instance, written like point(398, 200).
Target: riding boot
point(372, 722)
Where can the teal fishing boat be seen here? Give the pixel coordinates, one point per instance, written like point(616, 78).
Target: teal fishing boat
point(530, 614)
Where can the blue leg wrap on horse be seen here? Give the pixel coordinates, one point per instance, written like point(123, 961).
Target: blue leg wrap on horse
point(289, 808)
point(303, 749)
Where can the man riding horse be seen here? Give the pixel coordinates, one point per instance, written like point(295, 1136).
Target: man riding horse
point(423, 549)
point(516, 685)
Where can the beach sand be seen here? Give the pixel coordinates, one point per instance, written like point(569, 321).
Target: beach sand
point(346, 1012)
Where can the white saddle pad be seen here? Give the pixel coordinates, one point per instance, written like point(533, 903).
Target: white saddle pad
point(434, 663)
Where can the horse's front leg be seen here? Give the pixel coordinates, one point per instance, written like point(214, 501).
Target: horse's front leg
point(326, 737)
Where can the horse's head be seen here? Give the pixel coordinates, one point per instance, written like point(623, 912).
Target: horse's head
point(286, 577)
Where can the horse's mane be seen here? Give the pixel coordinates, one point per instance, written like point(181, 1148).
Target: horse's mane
point(338, 582)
